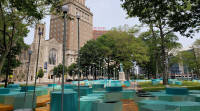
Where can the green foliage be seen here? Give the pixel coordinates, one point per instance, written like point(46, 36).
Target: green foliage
point(122, 46)
point(156, 14)
point(14, 62)
point(118, 45)
point(71, 68)
point(40, 73)
point(16, 17)
point(58, 71)
point(22, 76)
point(90, 53)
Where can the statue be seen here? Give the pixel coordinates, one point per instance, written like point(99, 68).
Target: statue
point(121, 67)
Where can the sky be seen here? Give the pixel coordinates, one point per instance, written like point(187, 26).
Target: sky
point(108, 14)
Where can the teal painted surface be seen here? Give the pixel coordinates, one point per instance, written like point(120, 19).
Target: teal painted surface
point(114, 88)
point(4, 91)
point(186, 105)
point(97, 86)
point(144, 97)
point(127, 83)
point(84, 90)
point(19, 102)
point(178, 83)
point(23, 88)
point(128, 94)
point(86, 104)
point(70, 101)
point(103, 106)
point(52, 85)
point(177, 91)
point(116, 83)
point(150, 102)
point(161, 107)
point(13, 86)
point(68, 86)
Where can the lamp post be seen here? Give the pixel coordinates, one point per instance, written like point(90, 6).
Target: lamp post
point(73, 75)
point(78, 18)
point(192, 74)
point(86, 71)
point(40, 33)
point(89, 71)
point(93, 72)
point(114, 76)
point(29, 60)
point(99, 68)
point(96, 74)
point(64, 10)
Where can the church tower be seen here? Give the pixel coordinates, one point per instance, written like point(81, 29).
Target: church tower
point(39, 27)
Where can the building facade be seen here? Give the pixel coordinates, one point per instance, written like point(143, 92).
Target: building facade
point(98, 33)
point(85, 23)
point(50, 54)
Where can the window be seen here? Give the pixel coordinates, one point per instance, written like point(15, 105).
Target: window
point(52, 56)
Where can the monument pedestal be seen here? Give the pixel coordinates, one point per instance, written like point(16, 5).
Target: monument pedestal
point(122, 76)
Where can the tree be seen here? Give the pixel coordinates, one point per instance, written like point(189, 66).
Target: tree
point(154, 13)
point(121, 45)
point(71, 68)
point(185, 17)
point(40, 74)
point(58, 71)
point(90, 53)
point(14, 62)
point(14, 20)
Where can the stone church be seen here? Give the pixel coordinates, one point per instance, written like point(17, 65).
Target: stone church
point(50, 55)
point(51, 50)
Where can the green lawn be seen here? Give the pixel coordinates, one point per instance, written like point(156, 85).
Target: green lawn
point(147, 86)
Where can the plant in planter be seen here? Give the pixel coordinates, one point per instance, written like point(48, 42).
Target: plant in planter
point(40, 74)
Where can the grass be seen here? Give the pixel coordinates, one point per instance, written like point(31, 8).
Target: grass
point(147, 86)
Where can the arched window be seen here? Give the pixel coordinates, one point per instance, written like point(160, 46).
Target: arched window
point(52, 56)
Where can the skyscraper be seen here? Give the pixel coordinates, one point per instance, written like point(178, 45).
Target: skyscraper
point(86, 25)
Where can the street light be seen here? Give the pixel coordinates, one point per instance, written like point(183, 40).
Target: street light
point(65, 9)
point(86, 71)
point(29, 59)
point(78, 18)
point(93, 72)
point(39, 33)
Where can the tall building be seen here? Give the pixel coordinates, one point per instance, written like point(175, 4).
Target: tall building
point(86, 25)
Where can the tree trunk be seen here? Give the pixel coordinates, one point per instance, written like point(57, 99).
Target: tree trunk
point(165, 79)
point(157, 75)
point(2, 59)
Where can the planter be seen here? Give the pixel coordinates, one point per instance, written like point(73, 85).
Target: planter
point(84, 90)
point(144, 97)
point(97, 86)
point(52, 85)
point(177, 91)
point(70, 101)
point(178, 83)
point(150, 102)
point(4, 91)
point(114, 88)
point(186, 105)
point(23, 88)
point(13, 86)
